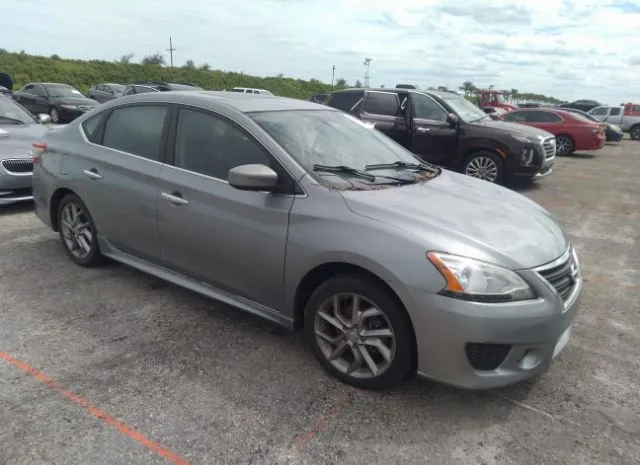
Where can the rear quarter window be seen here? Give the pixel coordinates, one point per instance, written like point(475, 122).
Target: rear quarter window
point(91, 127)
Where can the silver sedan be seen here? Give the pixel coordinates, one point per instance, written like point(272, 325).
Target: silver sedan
point(303, 215)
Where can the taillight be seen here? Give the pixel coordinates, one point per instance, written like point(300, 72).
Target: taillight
point(38, 149)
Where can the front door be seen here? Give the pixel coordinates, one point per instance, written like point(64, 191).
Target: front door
point(116, 177)
point(232, 239)
point(434, 140)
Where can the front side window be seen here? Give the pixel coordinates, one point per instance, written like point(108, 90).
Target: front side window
point(382, 103)
point(615, 111)
point(61, 90)
point(136, 130)
point(426, 108)
point(210, 145)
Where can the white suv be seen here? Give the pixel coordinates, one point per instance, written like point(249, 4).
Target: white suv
point(249, 90)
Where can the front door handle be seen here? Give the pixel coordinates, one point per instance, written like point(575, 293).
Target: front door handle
point(423, 130)
point(175, 198)
point(92, 173)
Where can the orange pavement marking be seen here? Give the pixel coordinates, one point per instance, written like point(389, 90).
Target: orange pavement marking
point(96, 412)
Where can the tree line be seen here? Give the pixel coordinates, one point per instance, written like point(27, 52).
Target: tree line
point(513, 95)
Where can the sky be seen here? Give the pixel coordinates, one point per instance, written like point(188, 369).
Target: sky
point(568, 49)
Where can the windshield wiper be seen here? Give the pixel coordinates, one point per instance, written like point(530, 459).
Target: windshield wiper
point(341, 169)
point(402, 165)
point(12, 120)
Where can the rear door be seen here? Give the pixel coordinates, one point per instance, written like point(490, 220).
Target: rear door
point(117, 174)
point(230, 238)
point(434, 140)
point(384, 111)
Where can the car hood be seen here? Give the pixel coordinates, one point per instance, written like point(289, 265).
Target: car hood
point(74, 101)
point(466, 216)
point(16, 140)
point(515, 128)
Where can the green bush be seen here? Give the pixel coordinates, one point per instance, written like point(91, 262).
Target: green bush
point(24, 68)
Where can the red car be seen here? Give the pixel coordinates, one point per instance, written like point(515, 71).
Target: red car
point(573, 131)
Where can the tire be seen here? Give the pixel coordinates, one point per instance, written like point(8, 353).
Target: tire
point(484, 165)
point(55, 116)
point(79, 242)
point(635, 132)
point(564, 145)
point(389, 349)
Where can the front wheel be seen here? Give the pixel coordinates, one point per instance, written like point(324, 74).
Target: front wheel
point(486, 166)
point(564, 145)
point(635, 133)
point(359, 332)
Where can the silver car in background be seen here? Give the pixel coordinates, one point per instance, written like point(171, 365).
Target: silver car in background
point(303, 215)
point(18, 130)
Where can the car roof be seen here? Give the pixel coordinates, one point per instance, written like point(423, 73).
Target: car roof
point(441, 94)
point(245, 103)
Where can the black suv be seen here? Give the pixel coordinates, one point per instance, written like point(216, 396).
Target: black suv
point(446, 129)
point(141, 87)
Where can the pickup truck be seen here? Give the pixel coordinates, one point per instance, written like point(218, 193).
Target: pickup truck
point(446, 129)
point(626, 116)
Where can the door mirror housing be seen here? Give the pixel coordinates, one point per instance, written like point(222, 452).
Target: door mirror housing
point(44, 118)
point(253, 178)
point(453, 120)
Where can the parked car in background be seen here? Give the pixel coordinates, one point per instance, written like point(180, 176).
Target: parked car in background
point(572, 131)
point(446, 129)
point(5, 91)
point(584, 105)
point(250, 90)
point(63, 103)
point(492, 98)
point(321, 97)
point(6, 82)
point(407, 86)
point(18, 130)
point(105, 92)
point(626, 116)
point(305, 216)
point(613, 133)
point(143, 87)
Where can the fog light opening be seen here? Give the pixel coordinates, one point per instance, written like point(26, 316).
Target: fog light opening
point(530, 359)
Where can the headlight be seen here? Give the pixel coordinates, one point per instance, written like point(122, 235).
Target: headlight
point(470, 279)
point(69, 107)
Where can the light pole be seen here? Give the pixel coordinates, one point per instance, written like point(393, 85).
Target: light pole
point(333, 76)
point(367, 63)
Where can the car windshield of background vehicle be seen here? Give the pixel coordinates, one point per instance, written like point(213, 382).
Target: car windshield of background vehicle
point(583, 118)
point(332, 138)
point(12, 113)
point(63, 91)
point(466, 110)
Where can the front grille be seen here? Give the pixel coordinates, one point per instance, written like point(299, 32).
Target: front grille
point(562, 276)
point(486, 357)
point(18, 165)
point(549, 146)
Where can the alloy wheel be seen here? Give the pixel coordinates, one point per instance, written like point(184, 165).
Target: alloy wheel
point(76, 230)
point(563, 145)
point(355, 336)
point(482, 167)
point(635, 133)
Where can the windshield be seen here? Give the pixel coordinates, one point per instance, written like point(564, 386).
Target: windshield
point(465, 110)
point(12, 113)
point(332, 138)
point(63, 91)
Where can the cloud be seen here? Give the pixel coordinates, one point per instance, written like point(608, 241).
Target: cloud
point(569, 49)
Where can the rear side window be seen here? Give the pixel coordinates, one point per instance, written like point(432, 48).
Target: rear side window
point(615, 111)
point(543, 117)
point(91, 127)
point(344, 100)
point(136, 130)
point(382, 103)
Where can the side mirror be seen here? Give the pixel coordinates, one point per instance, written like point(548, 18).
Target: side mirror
point(44, 118)
point(253, 178)
point(453, 120)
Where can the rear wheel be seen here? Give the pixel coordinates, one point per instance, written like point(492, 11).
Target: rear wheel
point(359, 332)
point(486, 166)
point(78, 232)
point(564, 145)
point(635, 132)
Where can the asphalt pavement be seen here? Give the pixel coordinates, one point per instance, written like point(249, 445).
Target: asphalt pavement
point(111, 366)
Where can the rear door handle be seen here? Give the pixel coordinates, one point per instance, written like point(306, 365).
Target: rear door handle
point(175, 198)
point(423, 130)
point(92, 173)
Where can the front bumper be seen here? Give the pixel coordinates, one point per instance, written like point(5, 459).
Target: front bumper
point(14, 187)
point(541, 164)
point(478, 346)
